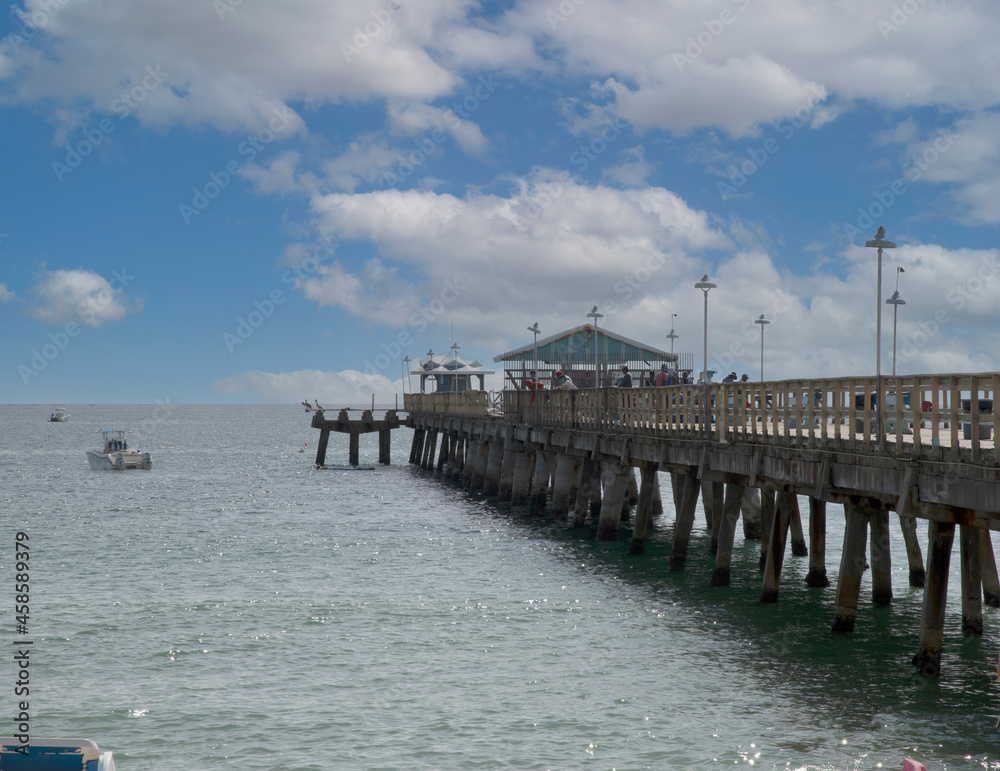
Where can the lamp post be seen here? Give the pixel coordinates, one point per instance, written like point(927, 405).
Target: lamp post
point(705, 285)
point(535, 330)
point(763, 322)
point(879, 243)
point(595, 316)
point(671, 337)
point(895, 301)
point(406, 371)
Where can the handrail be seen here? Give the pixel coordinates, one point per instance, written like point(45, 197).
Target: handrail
point(944, 417)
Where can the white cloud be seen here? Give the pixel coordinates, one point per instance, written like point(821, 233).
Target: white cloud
point(278, 177)
point(6, 295)
point(331, 389)
point(422, 119)
point(633, 170)
point(82, 297)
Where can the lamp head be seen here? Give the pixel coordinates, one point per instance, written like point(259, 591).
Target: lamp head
point(705, 284)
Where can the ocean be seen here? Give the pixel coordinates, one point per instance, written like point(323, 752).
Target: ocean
point(233, 608)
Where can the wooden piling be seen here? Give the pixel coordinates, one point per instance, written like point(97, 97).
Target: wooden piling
point(477, 475)
point(726, 534)
point(852, 566)
point(596, 491)
point(494, 462)
point(416, 446)
point(881, 558)
point(538, 496)
point(445, 449)
point(690, 487)
point(615, 490)
point(908, 527)
point(324, 438)
point(750, 510)
point(430, 447)
point(988, 566)
point(506, 487)
point(776, 542)
point(940, 537)
point(657, 502)
point(562, 484)
point(643, 509)
point(353, 451)
point(799, 548)
point(766, 520)
point(817, 544)
point(521, 483)
point(581, 506)
point(972, 580)
point(385, 447)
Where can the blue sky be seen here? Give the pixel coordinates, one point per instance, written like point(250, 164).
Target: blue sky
point(237, 202)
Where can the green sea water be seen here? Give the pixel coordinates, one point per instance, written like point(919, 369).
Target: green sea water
point(232, 608)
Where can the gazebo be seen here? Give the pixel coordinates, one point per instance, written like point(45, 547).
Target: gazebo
point(449, 373)
point(579, 355)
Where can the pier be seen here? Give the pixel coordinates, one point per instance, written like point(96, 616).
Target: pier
point(919, 447)
point(370, 421)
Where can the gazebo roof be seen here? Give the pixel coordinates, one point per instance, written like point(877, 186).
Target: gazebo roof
point(449, 364)
point(574, 344)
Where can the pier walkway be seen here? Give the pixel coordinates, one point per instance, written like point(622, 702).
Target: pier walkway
point(749, 449)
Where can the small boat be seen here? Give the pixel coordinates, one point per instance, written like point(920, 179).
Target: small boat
point(115, 455)
point(345, 468)
point(54, 753)
point(59, 416)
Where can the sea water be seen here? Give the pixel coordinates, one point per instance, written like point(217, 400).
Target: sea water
point(233, 608)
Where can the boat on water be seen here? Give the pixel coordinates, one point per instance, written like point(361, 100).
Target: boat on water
point(115, 455)
point(59, 416)
point(39, 754)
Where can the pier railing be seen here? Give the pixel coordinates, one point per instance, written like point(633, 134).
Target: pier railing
point(945, 417)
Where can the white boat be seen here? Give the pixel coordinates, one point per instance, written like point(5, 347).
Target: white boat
point(19, 752)
point(116, 455)
point(59, 416)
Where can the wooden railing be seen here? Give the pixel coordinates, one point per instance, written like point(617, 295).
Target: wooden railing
point(933, 416)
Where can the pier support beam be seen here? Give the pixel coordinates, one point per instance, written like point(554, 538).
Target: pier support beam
point(589, 470)
point(766, 521)
point(615, 491)
point(726, 534)
point(521, 483)
point(416, 446)
point(685, 520)
point(430, 445)
point(446, 439)
point(881, 557)
point(643, 510)
point(908, 527)
point(750, 509)
point(776, 542)
point(540, 482)
point(799, 548)
point(940, 537)
point(510, 452)
point(712, 503)
point(988, 565)
point(852, 566)
point(562, 485)
point(384, 447)
point(352, 452)
point(324, 438)
point(972, 580)
point(817, 544)
point(494, 461)
point(596, 491)
point(657, 502)
point(477, 472)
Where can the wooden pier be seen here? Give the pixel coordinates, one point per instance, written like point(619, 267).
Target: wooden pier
point(368, 423)
point(749, 449)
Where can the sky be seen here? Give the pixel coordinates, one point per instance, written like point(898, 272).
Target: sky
point(238, 201)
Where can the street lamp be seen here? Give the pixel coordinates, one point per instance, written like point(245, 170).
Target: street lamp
point(671, 337)
point(895, 301)
point(535, 330)
point(595, 316)
point(880, 243)
point(406, 371)
point(763, 322)
point(705, 285)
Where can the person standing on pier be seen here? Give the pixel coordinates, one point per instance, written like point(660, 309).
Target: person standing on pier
point(625, 381)
point(662, 377)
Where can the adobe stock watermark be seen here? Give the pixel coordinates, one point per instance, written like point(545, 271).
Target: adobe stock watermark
point(123, 105)
point(36, 21)
point(563, 11)
point(425, 147)
point(363, 36)
point(901, 13)
point(220, 180)
point(750, 333)
point(264, 309)
point(713, 30)
point(419, 320)
point(913, 170)
point(758, 156)
point(87, 312)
